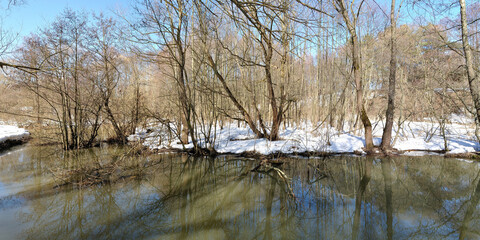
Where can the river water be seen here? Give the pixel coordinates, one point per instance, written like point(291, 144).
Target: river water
point(182, 197)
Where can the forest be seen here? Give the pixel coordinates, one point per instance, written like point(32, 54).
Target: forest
point(188, 69)
point(240, 119)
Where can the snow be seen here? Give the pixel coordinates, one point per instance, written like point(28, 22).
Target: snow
point(308, 137)
point(460, 118)
point(13, 133)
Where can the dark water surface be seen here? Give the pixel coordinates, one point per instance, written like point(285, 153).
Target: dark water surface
point(186, 198)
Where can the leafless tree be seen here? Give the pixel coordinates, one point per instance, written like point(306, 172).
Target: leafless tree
point(165, 24)
point(473, 81)
point(387, 131)
point(104, 45)
point(350, 14)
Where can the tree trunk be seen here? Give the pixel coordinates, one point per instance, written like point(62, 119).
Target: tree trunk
point(471, 74)
point(119, 132)
point(248, 119)
point(276, 111)
point(185, 112)
point(387, 131)
point(184, 132)
point(266, 41)
point(357, 73)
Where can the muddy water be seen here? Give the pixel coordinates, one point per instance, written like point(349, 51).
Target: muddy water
point(200, 198)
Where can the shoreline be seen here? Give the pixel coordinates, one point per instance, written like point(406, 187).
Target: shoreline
point(308, 141)
point(11, 136)
point(318, 154)
point(7, 144)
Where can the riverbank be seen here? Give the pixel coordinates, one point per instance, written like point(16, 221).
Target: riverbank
point(12, 135)
point(412, 138)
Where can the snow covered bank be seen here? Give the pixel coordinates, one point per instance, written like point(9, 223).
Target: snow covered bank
point(12, 134)
point(309, 138)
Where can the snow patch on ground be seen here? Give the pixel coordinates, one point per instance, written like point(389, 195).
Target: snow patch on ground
point(310, 138)
point(12, 133)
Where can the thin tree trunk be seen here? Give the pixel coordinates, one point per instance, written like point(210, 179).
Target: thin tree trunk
point(357, 73)
point(276, 111)
point(185, 106)
point(248, 119)
point(471, 74)
point(266, 40)
point(387, 131)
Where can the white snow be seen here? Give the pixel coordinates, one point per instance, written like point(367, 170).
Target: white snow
point(8, 132)
point(307, 137)
point(460, 118)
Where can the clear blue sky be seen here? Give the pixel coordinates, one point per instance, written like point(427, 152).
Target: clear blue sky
point(37, 13)
point(34, 14)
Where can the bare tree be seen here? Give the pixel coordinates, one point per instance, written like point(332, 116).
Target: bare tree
point(258, 20)
point(165, 24)
point(473, 80)
point(350, 17)
point(104, 46)
point(387, 131)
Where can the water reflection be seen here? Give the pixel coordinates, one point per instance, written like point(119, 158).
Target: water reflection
point(202, 198)
point(387, 178)
point(364, 169)
point(467, 229)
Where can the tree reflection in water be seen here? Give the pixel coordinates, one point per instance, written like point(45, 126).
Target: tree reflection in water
point(387, 177)
point(365, 173)
point(183, 198)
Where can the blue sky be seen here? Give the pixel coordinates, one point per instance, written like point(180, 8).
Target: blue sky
point(35, 14)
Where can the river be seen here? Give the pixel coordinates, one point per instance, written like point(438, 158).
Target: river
point(181, 197)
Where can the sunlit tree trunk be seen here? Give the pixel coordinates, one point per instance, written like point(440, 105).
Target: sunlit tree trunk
point(387, 131)
point(471, 73)
point(357, 69)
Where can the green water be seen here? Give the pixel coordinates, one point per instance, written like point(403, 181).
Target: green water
point(200, 198)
